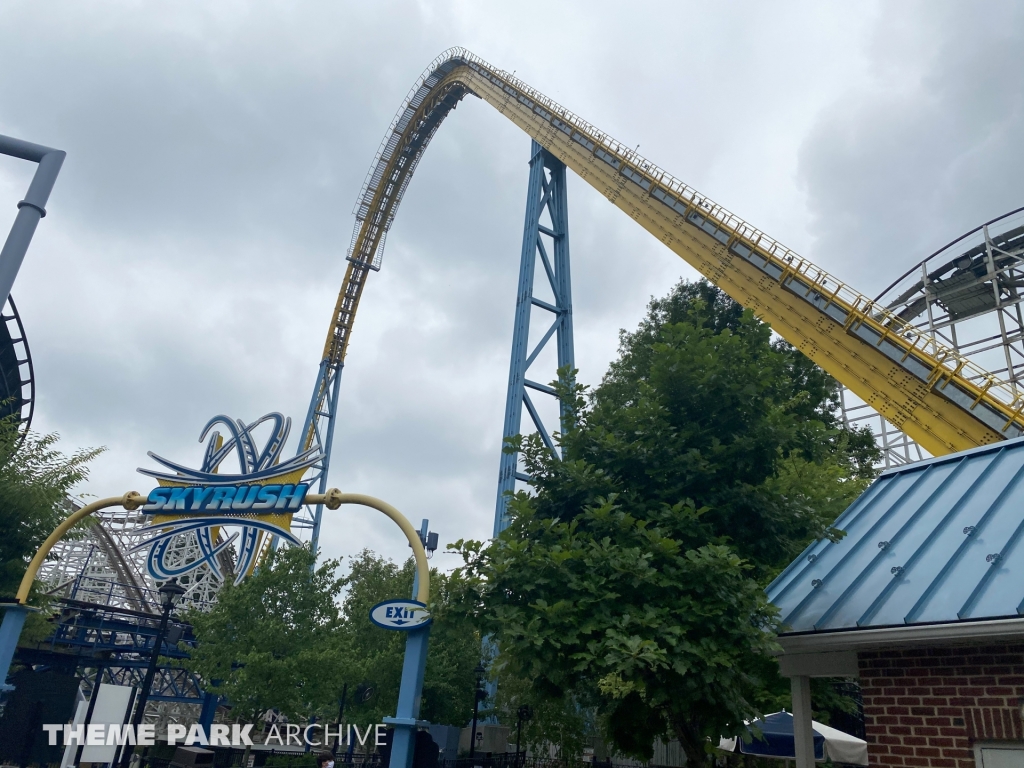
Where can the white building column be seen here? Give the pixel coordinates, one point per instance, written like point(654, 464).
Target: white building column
point(803, 732)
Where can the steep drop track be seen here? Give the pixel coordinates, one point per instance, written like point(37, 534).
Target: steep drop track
point(921, 387)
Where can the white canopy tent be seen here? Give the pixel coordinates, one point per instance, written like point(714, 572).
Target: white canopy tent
point(776, 740)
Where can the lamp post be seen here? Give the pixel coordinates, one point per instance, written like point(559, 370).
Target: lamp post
point(479, 693)
point(170, 592)
point(525, 712)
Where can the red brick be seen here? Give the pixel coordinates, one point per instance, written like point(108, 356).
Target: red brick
point(970, 691)
point(1004, 669)
point(989, 701)
point(934, 700)
point(961, 754)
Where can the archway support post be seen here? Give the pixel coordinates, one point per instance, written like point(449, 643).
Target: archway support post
point(410, 693)
point(406, 720)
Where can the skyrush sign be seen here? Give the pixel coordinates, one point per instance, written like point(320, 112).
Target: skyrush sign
point(206, 517)
point(229, 498)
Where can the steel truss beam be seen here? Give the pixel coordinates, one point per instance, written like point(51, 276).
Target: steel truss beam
point(85, 632)
point(548, 245)
point(318, 432)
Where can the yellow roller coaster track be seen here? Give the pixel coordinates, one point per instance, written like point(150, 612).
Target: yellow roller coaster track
point(942, 400)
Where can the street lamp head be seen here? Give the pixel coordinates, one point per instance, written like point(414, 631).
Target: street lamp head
point(170, 592)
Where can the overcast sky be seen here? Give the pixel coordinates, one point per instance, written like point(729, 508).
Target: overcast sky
point(196, 237)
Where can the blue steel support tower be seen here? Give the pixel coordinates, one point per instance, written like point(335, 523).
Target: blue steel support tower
point(546, 192)
point(319, 431)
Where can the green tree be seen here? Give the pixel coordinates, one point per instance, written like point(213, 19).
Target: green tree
point(291, 639)
point(274, 641)
point(564, 722)
point(632, 578)
point(35, 480)
point(377, 654)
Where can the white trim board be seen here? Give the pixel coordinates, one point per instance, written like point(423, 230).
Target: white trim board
point(959, 632)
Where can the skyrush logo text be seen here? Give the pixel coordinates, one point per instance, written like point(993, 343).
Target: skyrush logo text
point(226, 498)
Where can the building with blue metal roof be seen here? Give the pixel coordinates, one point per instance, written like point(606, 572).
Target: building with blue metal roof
point(936, 541)
point(923, 600)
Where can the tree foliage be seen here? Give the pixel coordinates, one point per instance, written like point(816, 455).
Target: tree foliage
point(291, 639)
point(35, 480)
point(632, 577)
point(563, 725)
point(377, 654)
point(274, 641)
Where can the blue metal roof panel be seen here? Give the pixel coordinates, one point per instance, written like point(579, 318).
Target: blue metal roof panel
point(936, 541)
point(926, 548)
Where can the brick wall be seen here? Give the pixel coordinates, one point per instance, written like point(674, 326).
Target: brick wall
point(927, 706)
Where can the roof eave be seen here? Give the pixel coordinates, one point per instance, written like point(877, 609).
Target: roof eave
point(955, 632)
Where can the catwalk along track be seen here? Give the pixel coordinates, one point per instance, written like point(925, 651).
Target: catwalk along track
point(938, 397)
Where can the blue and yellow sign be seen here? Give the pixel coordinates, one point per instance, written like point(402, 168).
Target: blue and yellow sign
point(259, 500)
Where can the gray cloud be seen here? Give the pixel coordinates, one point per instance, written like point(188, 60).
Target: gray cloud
point(926, 147)
point(197, 233)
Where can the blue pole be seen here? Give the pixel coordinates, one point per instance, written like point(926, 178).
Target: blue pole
point(31, 209)
point(10, 631)
point(208, 711)
point(332, 418)
point(406, 720)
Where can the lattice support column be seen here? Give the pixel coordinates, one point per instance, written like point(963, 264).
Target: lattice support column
point(548, 246)
point(318, 431)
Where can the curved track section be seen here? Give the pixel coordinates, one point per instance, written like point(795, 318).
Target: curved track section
point(17, 378)
point(926, 388)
